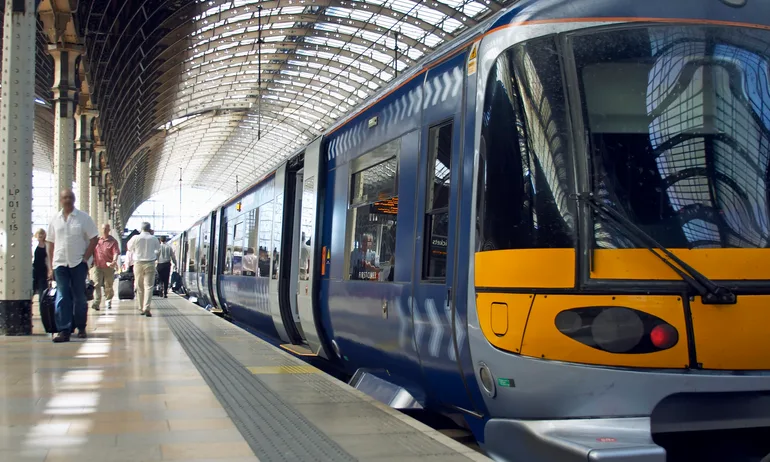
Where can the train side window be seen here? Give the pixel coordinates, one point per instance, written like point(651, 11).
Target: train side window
point(437, 202)
point(191, 248)
point(227, 266)
point(237, 248)
point(250, 233)
point(277, 230)
point(262, 242)
point(525, 180)
point(373, 215)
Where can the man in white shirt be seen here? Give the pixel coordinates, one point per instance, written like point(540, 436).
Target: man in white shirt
point(144, 249)
point(165, 257)
point(72, 238)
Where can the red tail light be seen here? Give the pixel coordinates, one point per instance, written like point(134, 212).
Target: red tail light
point(664, 336)
point(617, 329)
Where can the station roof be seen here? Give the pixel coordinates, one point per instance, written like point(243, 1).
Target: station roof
point(221, 91)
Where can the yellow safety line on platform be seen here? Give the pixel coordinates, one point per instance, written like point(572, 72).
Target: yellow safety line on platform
point(259, 370)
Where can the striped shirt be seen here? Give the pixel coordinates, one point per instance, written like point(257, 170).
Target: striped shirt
point(166, 254)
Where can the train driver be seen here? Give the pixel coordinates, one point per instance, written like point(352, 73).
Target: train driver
point(364, 262)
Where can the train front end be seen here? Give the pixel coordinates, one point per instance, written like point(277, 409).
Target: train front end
point(621, 276)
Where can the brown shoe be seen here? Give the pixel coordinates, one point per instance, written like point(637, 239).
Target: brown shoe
point(62, 337)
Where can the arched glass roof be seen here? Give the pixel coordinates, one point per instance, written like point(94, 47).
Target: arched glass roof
point(227, 89)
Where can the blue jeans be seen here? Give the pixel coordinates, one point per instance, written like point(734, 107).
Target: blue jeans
point(71, 297)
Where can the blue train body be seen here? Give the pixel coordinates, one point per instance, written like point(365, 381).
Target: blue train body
point(294, 281)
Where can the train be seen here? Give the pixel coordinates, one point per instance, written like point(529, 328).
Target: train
point(554, 229)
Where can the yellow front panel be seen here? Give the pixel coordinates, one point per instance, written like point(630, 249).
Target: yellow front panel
point(543, 340)
point(529, 268)
point(733, 337)
point(516, 317)
point(727, 264)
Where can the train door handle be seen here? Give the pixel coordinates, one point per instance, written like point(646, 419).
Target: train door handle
point(448, 305)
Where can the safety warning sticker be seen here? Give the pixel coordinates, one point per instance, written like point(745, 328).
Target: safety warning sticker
point(473, 59)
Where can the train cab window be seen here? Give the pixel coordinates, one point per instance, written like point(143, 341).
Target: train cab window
point(372, 215)
point(437, 202)
point(525, 175)
point(677, 121)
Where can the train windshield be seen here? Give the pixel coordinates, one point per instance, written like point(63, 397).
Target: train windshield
point(678, 126)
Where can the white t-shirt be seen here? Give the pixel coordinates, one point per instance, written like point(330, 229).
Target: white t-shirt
point(70, 237)
point(144, 247)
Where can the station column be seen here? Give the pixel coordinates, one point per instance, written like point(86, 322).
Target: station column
point(64, 90)
point(17, 115)
point(83, 147)
point(94, 194)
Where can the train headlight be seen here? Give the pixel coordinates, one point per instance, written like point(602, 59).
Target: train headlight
point(617, 329)
point(487, 380)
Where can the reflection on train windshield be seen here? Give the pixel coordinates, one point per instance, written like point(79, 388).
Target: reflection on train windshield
point(679, 123)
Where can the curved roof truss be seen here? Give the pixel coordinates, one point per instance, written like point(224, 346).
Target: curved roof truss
point(227, 89)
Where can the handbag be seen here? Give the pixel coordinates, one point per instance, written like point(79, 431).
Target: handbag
point(90, 289)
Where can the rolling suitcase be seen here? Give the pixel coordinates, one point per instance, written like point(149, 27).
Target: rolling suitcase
point(176, 282)
point(48, 310)
point(126, 286)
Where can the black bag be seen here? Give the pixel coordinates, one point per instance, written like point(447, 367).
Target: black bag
point(90, 289)
point(176, 282)
point(158, 290)
point(48, 310)
point(125, 276)
point(126, 288)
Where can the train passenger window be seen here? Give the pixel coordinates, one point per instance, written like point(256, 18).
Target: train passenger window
point(250, 232)
point(372, 215)
point(525, 179)
point(277, 231)
point(238, 248)
point(191, 248)
point(437, 203)
point(228, 264)
point(262, 243)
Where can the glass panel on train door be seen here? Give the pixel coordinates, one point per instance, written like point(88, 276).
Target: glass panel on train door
point(306, 227)
point(437, 202)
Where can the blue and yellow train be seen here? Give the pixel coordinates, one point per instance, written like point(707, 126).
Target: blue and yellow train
point(555, 229)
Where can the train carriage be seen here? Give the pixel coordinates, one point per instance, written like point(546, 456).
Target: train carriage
point(554, 229)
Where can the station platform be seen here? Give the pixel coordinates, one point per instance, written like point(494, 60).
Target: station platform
point(186, 385)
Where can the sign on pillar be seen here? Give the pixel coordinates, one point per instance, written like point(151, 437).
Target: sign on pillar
point(17, 114)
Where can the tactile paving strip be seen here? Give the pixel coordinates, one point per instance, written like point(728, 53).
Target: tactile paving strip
point(274, 429)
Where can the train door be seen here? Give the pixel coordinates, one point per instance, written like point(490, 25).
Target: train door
point(211, 258)
point(306, 202)
point(442, 336)
point(287, 270)
point(275, 251)
point(204, 244)
point(216, 258)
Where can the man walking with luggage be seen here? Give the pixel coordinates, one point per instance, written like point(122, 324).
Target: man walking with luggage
point(72, 238)
point(165, 257)
point(144, 248)
point(105, 263)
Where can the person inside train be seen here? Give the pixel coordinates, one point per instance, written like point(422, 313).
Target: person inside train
point(249, 263)
point(264, 263)
point(364, 261)
point(304, 259)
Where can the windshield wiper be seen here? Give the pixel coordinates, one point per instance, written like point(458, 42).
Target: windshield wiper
point(711, 293)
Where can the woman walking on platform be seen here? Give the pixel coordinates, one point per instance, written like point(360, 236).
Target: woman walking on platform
point(40, 265)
